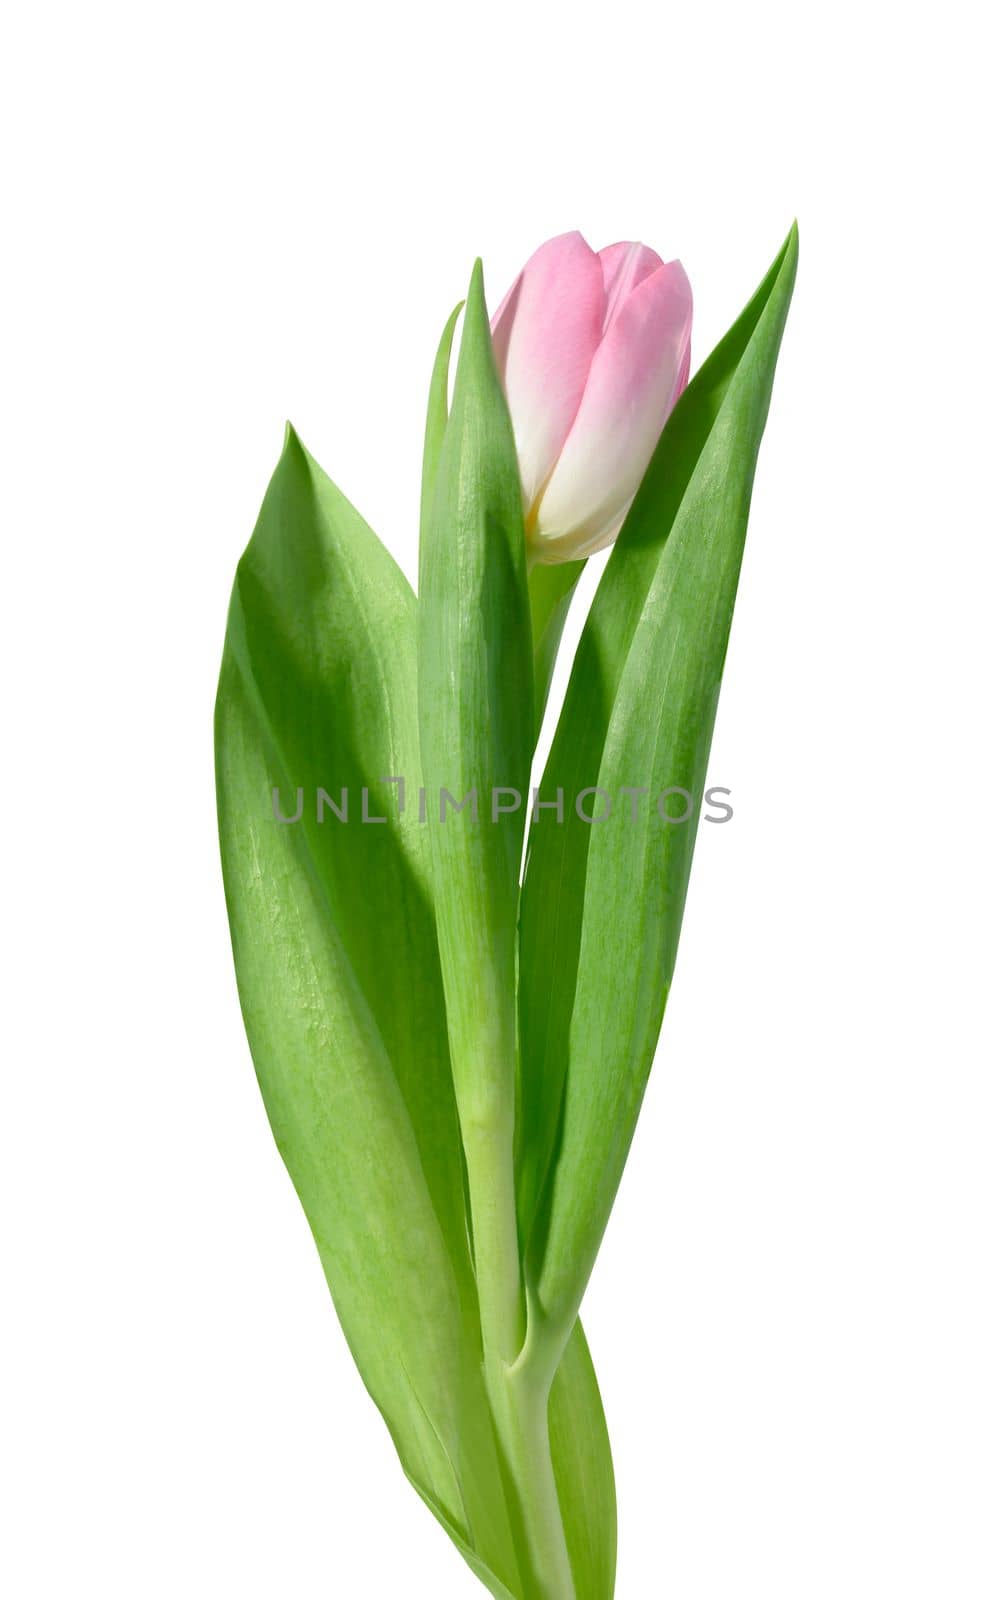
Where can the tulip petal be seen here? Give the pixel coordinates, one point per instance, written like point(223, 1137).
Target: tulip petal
point(545, 333)
point(637, 374)
point(624, 266)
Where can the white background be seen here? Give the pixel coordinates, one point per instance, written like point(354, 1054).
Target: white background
point(219, 216)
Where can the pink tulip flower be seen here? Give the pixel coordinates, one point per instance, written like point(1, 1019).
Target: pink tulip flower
point(593, 352)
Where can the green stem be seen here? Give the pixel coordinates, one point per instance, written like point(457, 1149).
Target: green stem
point(519, 1408)
point(488, 1153)
point(518, 1386)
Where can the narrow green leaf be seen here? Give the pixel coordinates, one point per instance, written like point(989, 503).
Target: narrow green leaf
point(476, 720)
point(551, 591)
point(335, 952)
point(603, 903)
point(550, 587)
point(476, 713)
point(436, 417)
point(583, 1468)
point(493, 1584)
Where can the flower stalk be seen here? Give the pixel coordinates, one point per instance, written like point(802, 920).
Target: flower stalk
point(518, 1388)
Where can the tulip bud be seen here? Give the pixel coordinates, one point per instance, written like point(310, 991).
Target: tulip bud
point(593, 352)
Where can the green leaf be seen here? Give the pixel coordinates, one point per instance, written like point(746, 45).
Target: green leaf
point(335, 951)
point(551, 590)
point(436, 418)
point(583, 1469)
point(476, 713)
point(476, 721)
point(550, 587)
point(602, 903)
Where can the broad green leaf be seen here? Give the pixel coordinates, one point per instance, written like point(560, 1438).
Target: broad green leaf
point(335, 952)
point(603, 902)
point(476, 713)
point(583, 1468)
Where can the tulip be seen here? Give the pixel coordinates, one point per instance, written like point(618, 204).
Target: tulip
point(593, 352)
